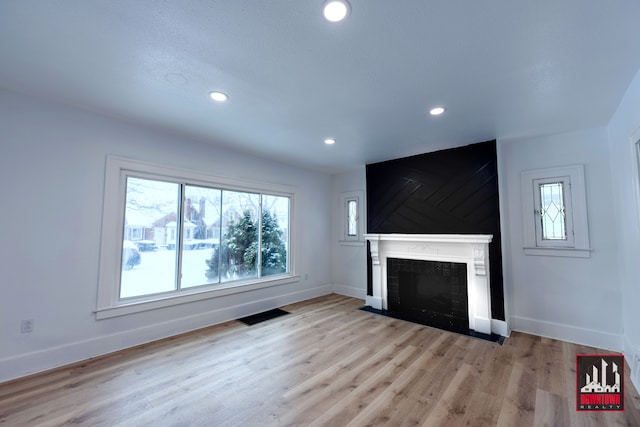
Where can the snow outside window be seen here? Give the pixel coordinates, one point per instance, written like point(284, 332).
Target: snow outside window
point(197, 237)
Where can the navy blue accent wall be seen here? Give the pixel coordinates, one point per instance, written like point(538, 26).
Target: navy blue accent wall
point(452, 191)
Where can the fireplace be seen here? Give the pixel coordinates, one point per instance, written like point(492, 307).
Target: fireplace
point(460, 252)
point(433, 293)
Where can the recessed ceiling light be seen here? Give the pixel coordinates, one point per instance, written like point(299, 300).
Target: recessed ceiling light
point(336, 10)
point(437, 111)
point(329, 141)
point(218, 96)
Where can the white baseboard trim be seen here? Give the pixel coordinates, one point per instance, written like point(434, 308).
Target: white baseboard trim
point(373, 302)
point(635, 380)
point(350, 291)
point(632, 355)
point(500, 327)
point(582, 336)
point(43, 360)
point(630, 352)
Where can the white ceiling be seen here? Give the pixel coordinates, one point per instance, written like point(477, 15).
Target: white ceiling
point(503, 68)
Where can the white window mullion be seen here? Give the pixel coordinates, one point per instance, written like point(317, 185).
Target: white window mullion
point(259, 254)
point(180, 237)
point(220, 234)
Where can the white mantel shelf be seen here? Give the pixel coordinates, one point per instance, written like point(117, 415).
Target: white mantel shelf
point(451, 238)
point(471, 249)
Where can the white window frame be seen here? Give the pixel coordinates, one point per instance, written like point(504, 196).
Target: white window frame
point(577, 242)
point(109, 303)
point(345, 238)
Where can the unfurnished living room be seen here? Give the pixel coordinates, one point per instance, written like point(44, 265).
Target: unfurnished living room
point(319, 213)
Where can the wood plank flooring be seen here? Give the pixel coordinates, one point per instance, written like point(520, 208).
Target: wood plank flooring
point(325, 364)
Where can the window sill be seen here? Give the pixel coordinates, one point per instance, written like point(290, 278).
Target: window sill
point(559, 252)
point(125, 308)
point(351, 242)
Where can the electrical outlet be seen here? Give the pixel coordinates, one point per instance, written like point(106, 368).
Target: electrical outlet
point(26, 326)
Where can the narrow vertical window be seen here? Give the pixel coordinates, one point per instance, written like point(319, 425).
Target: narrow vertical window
point(552, 204)
point(352, 218)
point(552, 211)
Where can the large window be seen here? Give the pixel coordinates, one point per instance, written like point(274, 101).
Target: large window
point(170, 234)
point(555, 212)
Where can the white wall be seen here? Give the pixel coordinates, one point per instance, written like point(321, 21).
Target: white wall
point(573, 299)
point(625, 123)
point(52, 166)
point(349, 263)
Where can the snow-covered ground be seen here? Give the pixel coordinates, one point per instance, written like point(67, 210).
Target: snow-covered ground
point(156, 272)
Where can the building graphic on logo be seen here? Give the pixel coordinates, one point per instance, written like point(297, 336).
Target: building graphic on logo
point(595, 386)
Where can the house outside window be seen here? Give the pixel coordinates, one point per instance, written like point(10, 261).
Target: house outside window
point(201, 236)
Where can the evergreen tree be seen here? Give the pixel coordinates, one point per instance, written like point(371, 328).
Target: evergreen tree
point(236, 256)
point(274, 252)
point(227, 259)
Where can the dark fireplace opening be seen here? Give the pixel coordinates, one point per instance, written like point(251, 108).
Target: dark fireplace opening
point(431, 293)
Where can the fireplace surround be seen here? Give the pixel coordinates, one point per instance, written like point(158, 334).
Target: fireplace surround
point(470, 249)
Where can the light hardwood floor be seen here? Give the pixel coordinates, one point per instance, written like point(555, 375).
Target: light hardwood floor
point(325, 364)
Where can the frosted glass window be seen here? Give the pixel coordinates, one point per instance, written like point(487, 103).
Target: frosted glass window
point(352, 218)
point(552, 211)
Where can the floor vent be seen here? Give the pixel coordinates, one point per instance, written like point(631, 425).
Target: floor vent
point(262, 317)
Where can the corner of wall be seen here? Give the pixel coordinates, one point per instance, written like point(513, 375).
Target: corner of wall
point(350, 291)
point(504, 234)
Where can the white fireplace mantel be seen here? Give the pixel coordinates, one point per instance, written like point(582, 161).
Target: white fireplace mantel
point(471, 249)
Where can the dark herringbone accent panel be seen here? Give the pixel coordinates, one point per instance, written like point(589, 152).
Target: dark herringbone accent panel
point(451, 191)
